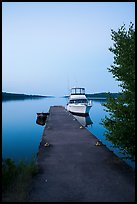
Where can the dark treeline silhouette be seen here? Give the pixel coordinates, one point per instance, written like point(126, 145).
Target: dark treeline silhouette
point(103, 95)
point(14, 96)
point(100, 96)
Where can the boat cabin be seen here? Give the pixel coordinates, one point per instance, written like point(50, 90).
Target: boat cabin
point(77, 91)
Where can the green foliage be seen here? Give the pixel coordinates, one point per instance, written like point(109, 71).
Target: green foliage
point(9, 172)
point(121, 121)
point(124, 57)
point(16, 179)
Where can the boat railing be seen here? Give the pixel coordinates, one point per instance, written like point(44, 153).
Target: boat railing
point(77, 91)
point(89, 102)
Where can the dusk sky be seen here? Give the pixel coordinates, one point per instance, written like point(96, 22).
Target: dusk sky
point(48, 48)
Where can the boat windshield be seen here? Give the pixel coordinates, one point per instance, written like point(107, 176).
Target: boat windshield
point(78, 91)
point(78, 101)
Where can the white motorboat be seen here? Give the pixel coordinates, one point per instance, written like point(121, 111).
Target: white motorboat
point(78, 102)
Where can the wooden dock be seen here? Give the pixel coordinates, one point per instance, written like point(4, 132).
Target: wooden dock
point(74, 169)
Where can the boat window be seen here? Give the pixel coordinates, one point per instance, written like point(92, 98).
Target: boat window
point(71, 101)
point(78, 101)
point(81, 101)
point(82, 91)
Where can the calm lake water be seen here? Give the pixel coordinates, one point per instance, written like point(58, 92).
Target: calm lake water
point(21, 135)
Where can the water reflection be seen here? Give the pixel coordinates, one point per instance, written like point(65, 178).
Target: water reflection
point(21, 135)
point(85, 120)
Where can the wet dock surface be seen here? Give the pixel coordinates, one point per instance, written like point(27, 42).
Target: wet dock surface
point(74, 169)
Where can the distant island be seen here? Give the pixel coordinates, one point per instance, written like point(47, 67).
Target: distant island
point(14, 96)
point(98, 96)
point(102, 95)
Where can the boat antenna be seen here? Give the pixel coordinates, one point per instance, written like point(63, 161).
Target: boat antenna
point(76, 83)
point(75, 80)
point(68, 84)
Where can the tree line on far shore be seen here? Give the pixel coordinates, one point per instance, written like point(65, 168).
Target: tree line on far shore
point(15, 96)
point(103, 95)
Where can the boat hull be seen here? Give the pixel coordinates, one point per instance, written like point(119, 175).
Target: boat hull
point(78, 109)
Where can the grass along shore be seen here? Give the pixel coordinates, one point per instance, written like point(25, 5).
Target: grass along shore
point(16, 179)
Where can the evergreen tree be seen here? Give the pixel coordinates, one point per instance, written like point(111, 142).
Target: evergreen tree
point(120, 124)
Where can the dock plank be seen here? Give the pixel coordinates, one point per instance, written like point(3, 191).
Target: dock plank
point(74, 169)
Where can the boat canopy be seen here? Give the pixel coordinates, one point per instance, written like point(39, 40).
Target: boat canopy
point(78, 91)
